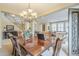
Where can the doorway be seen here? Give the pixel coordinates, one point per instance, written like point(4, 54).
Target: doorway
point(73, 32)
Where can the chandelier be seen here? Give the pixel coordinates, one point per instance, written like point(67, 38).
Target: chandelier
point(29, 14)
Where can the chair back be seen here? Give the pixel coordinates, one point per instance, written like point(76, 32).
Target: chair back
point(16, 47)
point(57, 47)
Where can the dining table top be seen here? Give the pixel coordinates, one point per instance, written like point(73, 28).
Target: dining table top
point(36, 47)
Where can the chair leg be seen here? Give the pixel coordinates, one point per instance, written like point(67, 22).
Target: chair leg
point(54, 51)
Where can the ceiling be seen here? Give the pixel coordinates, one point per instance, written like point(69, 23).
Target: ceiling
point(41, 8)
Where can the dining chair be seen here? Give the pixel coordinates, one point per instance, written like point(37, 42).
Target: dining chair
point(18, 50)
point(16, 47)
point(57, 47)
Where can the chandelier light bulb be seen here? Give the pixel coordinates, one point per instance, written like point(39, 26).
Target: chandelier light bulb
point(29, 14)
point(30, 17)
point(13, 15)
point(21, 14)
point(34, 14)
point(24, 12)
point(30, 10)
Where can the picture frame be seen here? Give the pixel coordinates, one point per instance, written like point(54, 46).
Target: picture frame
point(9, 27)
point(43, 27)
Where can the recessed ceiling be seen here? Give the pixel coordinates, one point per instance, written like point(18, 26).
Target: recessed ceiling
point(40, 8)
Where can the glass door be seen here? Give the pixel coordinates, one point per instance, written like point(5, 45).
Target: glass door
point(73, 32)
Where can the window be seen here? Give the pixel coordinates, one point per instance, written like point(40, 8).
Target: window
point(61, 26)
point(54, 27)
point(66, 26)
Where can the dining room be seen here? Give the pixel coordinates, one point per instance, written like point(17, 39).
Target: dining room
point(36, 29)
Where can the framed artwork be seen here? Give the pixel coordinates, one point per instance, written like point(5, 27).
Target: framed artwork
point(43, 27)
point(9, 27)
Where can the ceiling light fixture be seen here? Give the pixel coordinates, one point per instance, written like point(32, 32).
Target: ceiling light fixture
point(29, 14)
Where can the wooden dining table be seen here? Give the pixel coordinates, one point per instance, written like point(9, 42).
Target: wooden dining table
point(37, 47)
